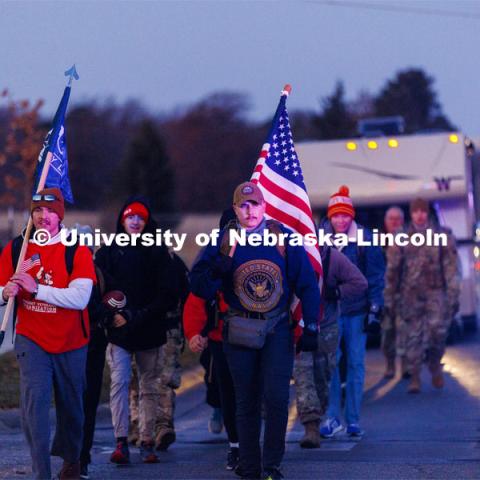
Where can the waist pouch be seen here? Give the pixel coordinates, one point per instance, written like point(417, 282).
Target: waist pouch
point(249, 332)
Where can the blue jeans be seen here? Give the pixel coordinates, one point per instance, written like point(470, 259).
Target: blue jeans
point(262, 375)
point(351, 328)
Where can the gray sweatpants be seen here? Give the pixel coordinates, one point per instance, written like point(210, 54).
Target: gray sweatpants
point(40, 373)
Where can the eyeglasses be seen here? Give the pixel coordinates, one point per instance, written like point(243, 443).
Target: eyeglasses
point(46, 198)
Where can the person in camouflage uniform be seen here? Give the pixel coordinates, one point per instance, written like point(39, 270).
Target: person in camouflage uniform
point(391, 322)
point(428, 283)
point(313, 371)
point(169, 378)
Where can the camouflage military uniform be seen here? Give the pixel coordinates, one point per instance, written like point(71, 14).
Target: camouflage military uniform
point(393, 327)
point(427, 281)
point(169, 380)
point(313, 372)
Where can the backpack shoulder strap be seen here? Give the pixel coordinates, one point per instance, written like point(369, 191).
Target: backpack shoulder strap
point(70, 251)
point(16, 247)
point(275, 227)
point(224, 246)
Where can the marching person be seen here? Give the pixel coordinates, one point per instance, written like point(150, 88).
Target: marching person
point(257, 283)
point(147, 277)
point(313, 371)
point(203, 325)
point(51, 294)
point(391, 323)
point(169, 370)
point(428, 277)
point(356, 314)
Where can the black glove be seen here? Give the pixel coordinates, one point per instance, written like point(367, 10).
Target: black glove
point(222, 264)
point(308, 342)
point(331, 294)
point(373, 321)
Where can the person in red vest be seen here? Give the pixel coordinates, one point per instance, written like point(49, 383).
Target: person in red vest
point(203, 325)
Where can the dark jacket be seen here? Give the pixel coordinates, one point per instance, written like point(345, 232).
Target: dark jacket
point(342, 280)
point(370, 261)
point(147, 276)
point(297, 275)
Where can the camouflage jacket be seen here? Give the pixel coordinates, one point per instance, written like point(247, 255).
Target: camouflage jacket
point(412, 271)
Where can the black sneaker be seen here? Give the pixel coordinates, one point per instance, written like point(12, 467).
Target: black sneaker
point(247, 476)
point(232, 458)
point(84, 470)
point(272, 474)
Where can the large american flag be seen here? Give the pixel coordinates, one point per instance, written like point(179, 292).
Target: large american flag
point(279, 176)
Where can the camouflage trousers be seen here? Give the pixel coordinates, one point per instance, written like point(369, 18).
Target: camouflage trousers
point(169, 379)
point(393, 336)
point(313, 373)
point(427, 322)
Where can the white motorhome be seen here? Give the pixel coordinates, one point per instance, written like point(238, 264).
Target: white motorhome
point(385, 171)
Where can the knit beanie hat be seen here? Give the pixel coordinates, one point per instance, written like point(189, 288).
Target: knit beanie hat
point(136, 208)
point(51, 198)
point(419, 204)
point(341, 202)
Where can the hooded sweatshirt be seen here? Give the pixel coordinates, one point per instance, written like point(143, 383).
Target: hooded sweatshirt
point(147, 276)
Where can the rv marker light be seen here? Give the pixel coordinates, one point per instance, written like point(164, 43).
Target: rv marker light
point(352, 146)
point(372, 145)
point(392, 143)
point(453, 138)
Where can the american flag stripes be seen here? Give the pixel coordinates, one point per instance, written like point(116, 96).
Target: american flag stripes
point(279, 176)
point(31, 262)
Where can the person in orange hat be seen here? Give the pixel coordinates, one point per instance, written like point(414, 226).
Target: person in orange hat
point(357, 314)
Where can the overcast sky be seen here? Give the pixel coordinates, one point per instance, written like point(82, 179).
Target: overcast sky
point(172, 53)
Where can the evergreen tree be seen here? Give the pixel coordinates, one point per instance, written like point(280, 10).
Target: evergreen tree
point(335, 120)
point(411, 94)
point(146, 169)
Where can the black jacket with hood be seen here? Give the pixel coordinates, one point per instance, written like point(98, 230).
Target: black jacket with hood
point(147, 276)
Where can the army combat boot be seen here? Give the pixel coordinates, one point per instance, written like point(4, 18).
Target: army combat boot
point(437, 376)
point(390, 368)
point(414, 386)
point(311, 439)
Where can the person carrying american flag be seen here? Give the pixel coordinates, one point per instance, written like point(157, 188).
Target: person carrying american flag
point(258, 283)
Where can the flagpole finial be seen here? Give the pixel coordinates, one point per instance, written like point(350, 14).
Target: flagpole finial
point(72, 74)
point(287, 89)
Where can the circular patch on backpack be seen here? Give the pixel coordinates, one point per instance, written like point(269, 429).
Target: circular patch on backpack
point(258, 285)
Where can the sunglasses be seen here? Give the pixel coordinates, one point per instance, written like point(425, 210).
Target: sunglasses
point(46, 198)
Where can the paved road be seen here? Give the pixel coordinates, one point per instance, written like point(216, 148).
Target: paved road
point(432, 435)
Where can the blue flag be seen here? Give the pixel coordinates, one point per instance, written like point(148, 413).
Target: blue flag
point(55, 142)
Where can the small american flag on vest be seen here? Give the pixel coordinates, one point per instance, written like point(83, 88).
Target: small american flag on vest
point(31, 262)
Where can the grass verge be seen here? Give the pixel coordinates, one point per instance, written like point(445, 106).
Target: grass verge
point(10, 378)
